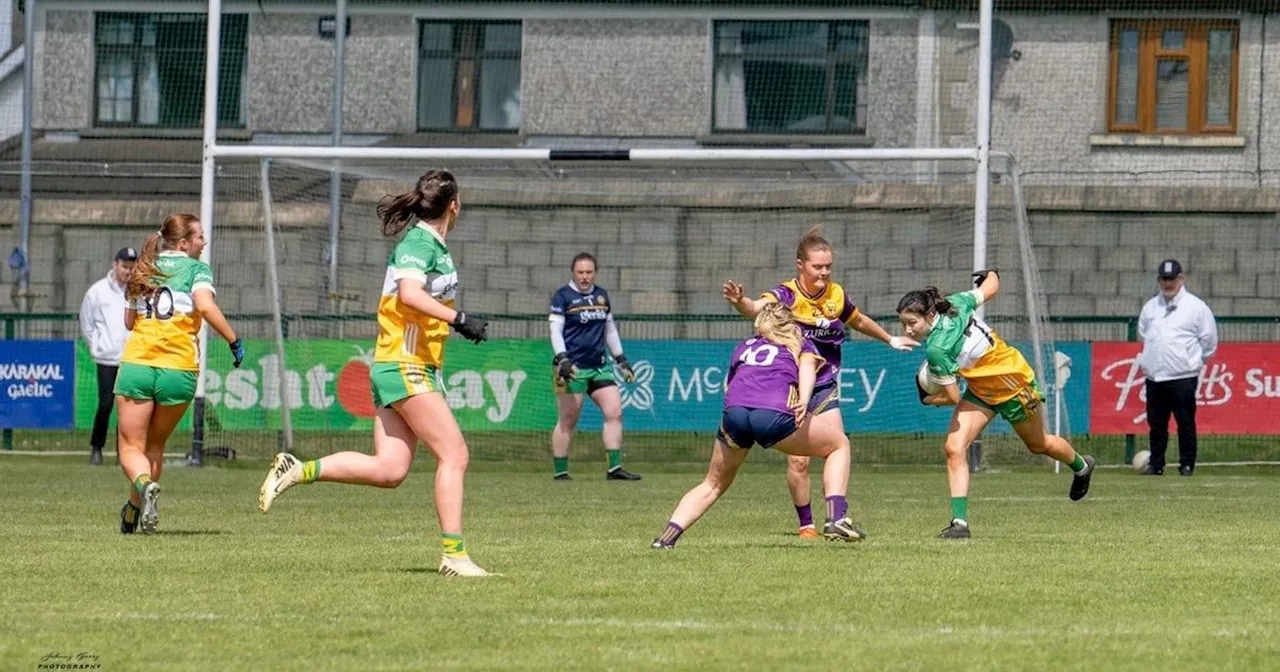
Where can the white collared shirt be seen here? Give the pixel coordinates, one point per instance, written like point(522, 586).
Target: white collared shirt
point(102, 320)
point(1178, 336)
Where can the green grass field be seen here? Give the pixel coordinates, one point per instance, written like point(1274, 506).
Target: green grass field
point(1146, 573)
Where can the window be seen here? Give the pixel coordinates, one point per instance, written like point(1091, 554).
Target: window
point(1173, 77)
point(791, 76)
point(469, 75)
point(150, 69)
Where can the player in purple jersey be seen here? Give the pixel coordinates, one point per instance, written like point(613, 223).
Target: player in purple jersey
point(823, 310)
point(768, 389)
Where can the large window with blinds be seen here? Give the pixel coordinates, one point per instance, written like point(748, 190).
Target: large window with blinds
point(1178, 77)
point(791, 76)
point(150, 69)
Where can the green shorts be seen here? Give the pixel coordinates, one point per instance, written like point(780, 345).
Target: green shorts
point(1022, 407)
point(587, 380)
point(393, 381)
point(167, 387)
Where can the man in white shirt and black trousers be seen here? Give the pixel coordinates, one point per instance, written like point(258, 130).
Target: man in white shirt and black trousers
point(102, 323)
point(1178, 335)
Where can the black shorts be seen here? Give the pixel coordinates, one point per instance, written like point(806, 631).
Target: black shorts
point(742, 427)
point(824, 398)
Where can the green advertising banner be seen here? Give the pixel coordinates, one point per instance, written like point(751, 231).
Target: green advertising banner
point(501, 385)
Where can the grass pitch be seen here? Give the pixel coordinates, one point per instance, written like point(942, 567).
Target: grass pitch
point(1146, 573)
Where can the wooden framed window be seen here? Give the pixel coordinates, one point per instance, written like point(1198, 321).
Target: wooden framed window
point(469, 75)
point(1174, 77)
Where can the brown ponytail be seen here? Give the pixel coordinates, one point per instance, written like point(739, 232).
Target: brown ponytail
point(812, 242)
point(175, 229)
point(429, 200)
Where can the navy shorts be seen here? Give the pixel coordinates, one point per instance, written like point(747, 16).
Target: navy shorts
point(824, 398)
point(742, 427)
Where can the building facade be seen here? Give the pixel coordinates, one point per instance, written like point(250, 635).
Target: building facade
point(1139, 134)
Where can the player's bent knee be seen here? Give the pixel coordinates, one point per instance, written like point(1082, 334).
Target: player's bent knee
point(1038, 447)
point(955, 447)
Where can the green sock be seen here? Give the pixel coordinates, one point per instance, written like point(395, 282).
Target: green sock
point(453, 546)
point(140, 483)
point(310, 471)
point(560, 464)
point(960, 508)
point(1078, 464)
point(615, 458)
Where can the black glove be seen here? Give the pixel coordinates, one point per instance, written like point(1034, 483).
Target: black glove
point(470, 327)
point(237, 352)
point(980, 276)
point(565, 370)
point(628, 373)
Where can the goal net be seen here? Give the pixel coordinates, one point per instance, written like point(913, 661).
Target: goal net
point(666, 237)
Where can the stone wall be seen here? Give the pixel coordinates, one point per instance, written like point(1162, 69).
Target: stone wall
point(671, 256)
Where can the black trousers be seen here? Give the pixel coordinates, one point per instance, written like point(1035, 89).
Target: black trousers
point(1176, 398)
point(106, 401)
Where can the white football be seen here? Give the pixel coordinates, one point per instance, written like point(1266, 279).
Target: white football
point(927, 381)
point(1141, 459)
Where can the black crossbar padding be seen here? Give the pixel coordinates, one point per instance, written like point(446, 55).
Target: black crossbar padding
point(590, 155)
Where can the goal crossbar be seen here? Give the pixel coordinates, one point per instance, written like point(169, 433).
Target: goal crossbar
point(656, 155)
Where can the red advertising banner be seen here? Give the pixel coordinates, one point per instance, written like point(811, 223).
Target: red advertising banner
point(1239, 390)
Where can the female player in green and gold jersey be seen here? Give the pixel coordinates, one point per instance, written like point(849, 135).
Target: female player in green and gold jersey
point(170, 295)
point(1000, 382)
point(415, 313)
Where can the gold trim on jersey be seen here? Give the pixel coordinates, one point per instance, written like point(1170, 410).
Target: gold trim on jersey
point(826, 305)
point(1000, 374)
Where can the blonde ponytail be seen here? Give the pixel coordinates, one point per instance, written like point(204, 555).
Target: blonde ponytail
point(144, 270)
point(775, 324)
point(176, 228)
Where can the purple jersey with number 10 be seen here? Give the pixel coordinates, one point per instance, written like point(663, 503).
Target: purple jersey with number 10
point(763, 374)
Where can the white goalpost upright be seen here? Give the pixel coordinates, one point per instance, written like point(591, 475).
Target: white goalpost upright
point(212, 151)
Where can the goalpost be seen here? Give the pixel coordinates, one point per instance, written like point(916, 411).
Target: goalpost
point(1025, 319)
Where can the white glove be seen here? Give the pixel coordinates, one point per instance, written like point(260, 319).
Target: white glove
point(902, 343)
point(822, 323)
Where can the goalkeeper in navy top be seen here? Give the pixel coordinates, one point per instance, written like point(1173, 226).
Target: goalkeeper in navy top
point(581, 326)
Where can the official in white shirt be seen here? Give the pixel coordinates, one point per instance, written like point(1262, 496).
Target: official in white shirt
point(1178, 335)
point(102, 323)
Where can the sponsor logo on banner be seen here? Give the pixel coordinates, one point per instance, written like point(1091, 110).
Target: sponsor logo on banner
point(1238, 391)
point(37, 386)
point(637, 395)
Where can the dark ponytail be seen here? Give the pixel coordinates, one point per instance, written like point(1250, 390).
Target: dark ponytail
point(926, 301)
point(429, 200)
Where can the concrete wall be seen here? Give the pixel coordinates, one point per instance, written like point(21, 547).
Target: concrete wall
point(291, 75)
point(615, 78)
point(64, 87)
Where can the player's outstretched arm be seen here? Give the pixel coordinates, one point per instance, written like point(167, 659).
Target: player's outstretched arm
point(869, 327)
point(988, 283)
point(736, 295)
